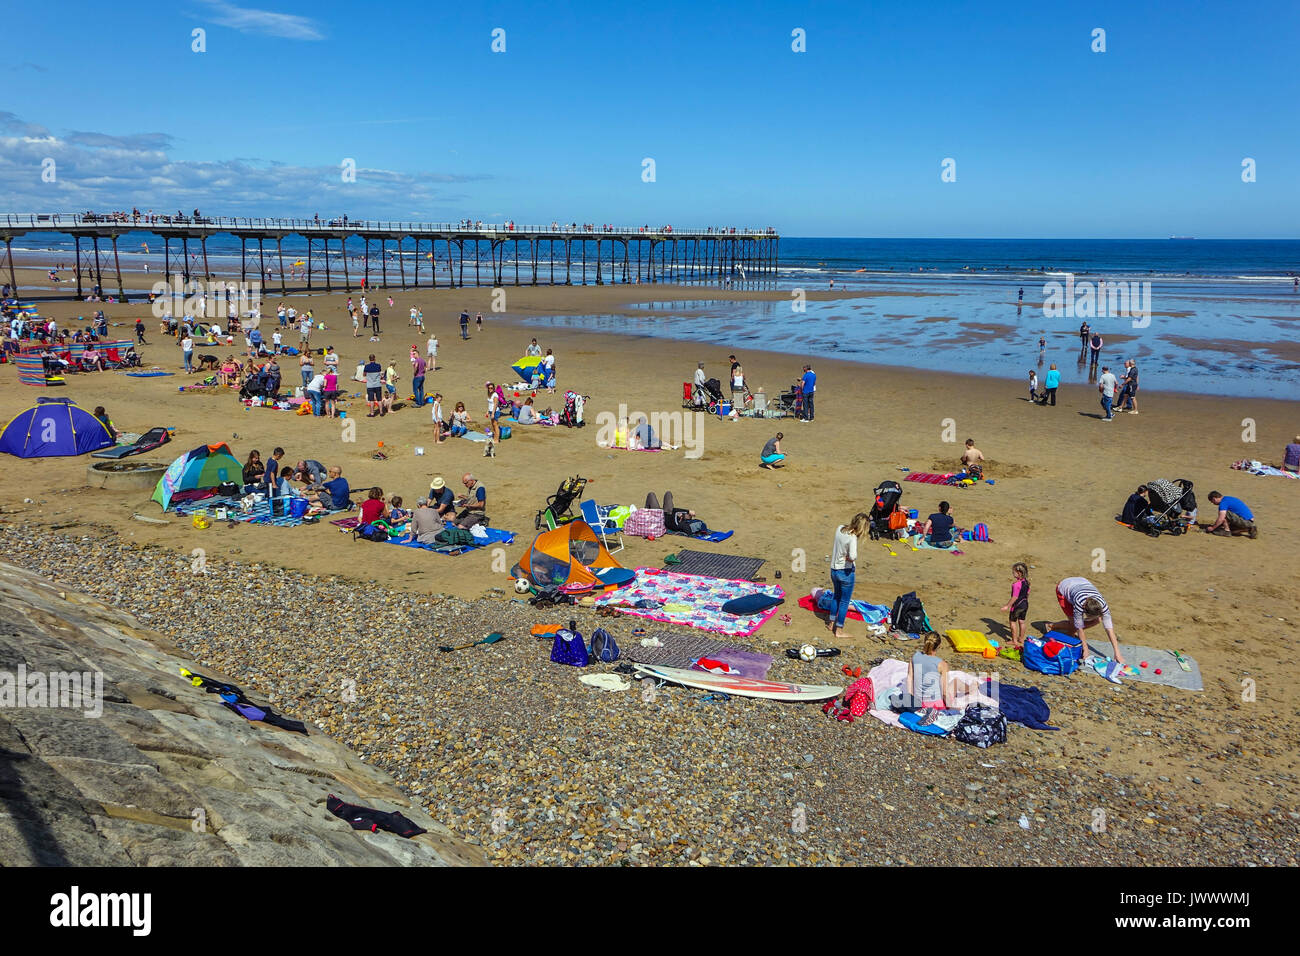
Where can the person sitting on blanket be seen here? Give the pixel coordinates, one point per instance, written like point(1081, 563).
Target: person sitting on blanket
point(107, 422)
point(1137, 511)
point(643, 436)
point(334, 494)
point(1291, 457)
point(425, 524)
point(973, 460)
point(1234, 516)
point(938, 527)
point(310, 471)
point(927, 681)
point(473, 506)
point(397, 515)
point(442, 499)
point(374, 507)
point(254, 470)
point(527, 414)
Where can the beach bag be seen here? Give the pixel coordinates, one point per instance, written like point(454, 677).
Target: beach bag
point(897, 520)
point(1058, 654)
point(369, 532)
point(505, 432)
point(228, 489)
point(982, 726)
point(645, 523)
point(569, 647)
point(908, 615)
point(603, 646)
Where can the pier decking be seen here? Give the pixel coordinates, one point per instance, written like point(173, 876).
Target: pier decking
point(618, 254)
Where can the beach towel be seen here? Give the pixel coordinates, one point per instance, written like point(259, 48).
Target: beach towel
point(930, 478)
point(1259, 468)
point(149, 374)
point(919, 542)
point(691, 600)
point(891, 675)
point(494, 536)
point(745, 663)
point(475, 436)
point(823, 599)
point(1171, 675)
point(706, 536)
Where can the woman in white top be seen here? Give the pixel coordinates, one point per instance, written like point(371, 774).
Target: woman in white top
point(844, 559)
point(439, 430)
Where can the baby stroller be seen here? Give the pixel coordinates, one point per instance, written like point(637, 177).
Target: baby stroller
point(560, 505)
point(1169, 500)
point(707, 396)
point(883, 522)
point(571, 417)
point(130, 359)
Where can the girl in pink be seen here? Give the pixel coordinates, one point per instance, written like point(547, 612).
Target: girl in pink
point(1018, 607)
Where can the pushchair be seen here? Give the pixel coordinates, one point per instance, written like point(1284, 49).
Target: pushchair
point(883, 523)
point(571, 417)
point(1169, 500)
point(706, 396)
point(560, 505)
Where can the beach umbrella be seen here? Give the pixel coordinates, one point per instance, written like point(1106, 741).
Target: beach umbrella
point(525, 366)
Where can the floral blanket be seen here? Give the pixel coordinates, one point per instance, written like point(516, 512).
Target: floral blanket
point(692, 600)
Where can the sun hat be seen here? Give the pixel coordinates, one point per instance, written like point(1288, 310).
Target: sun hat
point(437, 484)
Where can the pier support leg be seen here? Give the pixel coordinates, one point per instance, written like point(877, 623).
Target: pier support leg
point(99, 278)
point(185, 258)
point(343, 253)
point(279, 251)
point(13, 280)
point(77, 241)
point(117, 266)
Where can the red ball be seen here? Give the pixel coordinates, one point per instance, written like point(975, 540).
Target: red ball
point(1144, 663)
point(1157, 670)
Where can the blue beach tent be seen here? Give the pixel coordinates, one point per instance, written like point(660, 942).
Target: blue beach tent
point(52, 427)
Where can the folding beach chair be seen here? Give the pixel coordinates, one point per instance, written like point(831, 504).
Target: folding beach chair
point(592, 516)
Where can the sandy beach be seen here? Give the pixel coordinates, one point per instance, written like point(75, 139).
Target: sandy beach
point(1060, 477)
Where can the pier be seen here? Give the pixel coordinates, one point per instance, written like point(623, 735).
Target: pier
point(550, 254)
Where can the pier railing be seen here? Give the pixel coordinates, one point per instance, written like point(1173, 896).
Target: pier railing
point(56, 221)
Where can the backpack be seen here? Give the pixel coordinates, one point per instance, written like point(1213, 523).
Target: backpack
point(569, 647)
point(981, 725)
point(1057, 654)
point(909, 615)
point(369, 532)
point(603, 646)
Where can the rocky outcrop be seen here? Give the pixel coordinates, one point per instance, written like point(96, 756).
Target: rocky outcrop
point(147, 770)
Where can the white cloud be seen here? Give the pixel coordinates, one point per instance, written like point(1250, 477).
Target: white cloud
point(268, 22)
point(104, 172)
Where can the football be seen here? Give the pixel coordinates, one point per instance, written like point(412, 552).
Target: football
point(807, 653)
point(522, 586)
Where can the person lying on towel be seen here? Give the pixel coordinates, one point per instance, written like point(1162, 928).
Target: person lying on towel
point(681, 519)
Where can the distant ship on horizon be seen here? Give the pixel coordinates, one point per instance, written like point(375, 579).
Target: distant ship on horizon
point(1182, 237)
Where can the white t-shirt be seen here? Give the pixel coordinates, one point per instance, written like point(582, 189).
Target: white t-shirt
point(317, 383)
point(548, 362)
point(332, 360)
point(275, 336)
point(844, 549)
point(433, 347)
point(187, 345)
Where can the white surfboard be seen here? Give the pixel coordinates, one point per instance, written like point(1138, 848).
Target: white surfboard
point(740, 686)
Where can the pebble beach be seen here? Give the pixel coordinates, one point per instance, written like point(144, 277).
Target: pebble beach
point(514, 754)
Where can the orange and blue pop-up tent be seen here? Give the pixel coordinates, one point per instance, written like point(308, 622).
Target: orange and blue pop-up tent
point(571, 558)
point(205, 467)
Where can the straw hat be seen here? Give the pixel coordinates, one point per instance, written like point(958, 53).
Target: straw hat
point(437, 484)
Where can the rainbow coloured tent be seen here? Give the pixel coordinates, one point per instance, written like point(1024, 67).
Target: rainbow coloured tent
point(205, 467)
point(571, 558)
point(53, 427)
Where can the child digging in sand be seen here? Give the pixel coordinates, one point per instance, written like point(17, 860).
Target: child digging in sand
point(1017, 609)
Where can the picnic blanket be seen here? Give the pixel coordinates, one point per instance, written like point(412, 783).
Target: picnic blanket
point(691, 600)
point(494, 536)
point(706, 536)
point(261, 512)
point(1171, 675)
point(727, 566)
point(149, 374)
point(1259, 468)
point(822, 599)
point(682, 650)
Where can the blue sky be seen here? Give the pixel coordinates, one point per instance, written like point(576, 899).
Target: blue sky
point(1049, 138)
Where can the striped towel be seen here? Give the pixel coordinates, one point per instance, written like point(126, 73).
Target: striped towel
point(930, 478)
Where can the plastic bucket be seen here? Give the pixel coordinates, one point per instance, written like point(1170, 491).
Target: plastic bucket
point(298, 507)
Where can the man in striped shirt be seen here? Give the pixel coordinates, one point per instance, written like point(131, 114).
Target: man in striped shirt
point(1080, 599)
